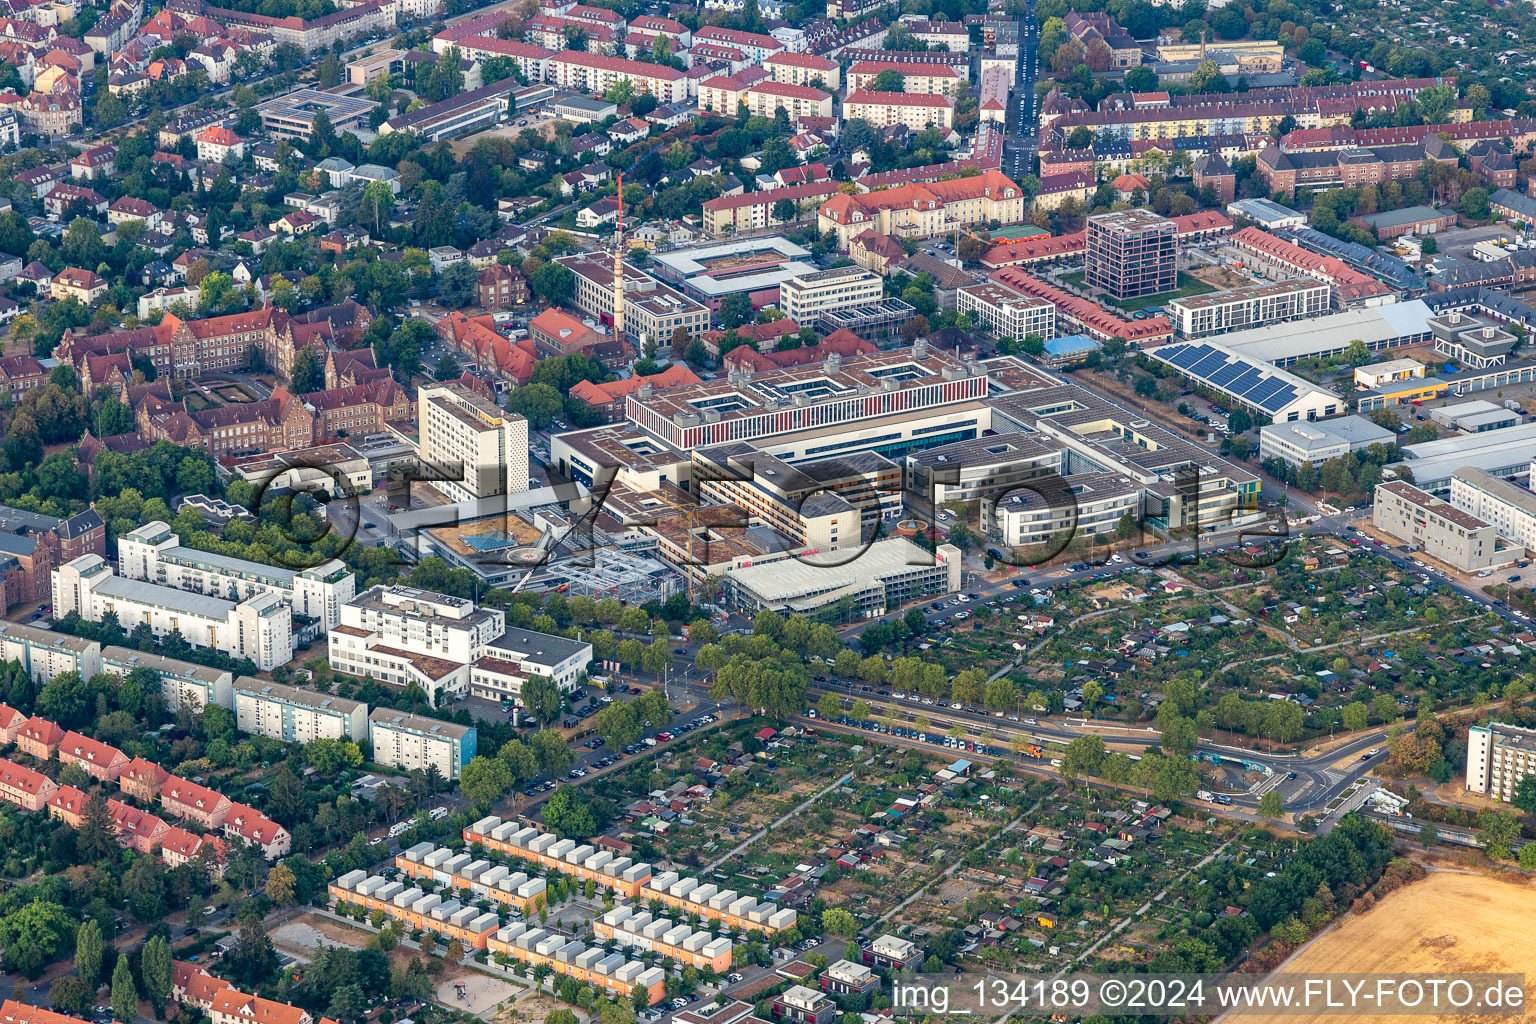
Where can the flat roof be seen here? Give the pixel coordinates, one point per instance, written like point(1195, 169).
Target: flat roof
point(1247, 292)
point(1242, 376)
point(268, 690)
point(1433, 505)
point(539, 646)
point(1316, 435)
point(1499, 488)
point(168, 598)
point(789, 578)
point(392, 719)
point(1299, 339)
point(165, 666)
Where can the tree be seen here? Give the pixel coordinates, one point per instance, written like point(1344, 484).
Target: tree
point(71, 995)
point(831, 706)
point(97, 838)
point(377, 203)
point(1500, 829)
point(125, 996)
point(1207, 77)
point(88, 949)
point(456, 286)
point(1271, 806)
point(837, 921)
point(1083, 756)
point(555, 758)
point(568, 815)
point(1525, 794)
point(735, 310)
point(155, 969)
point(280, 885)
point(542, 699)
point(784, 210)
point(252, 959)
point(1474, 203)
point(890, 80)
point(484, 781)
point(308, 373)
point(538, 403)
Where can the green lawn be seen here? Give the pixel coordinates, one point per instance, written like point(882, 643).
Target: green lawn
point(1188, 286)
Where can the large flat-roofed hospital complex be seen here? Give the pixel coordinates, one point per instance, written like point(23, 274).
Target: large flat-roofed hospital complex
point(771, 480)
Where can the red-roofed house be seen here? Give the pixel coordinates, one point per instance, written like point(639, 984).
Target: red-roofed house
point(178, 847)
point(101, 761)
point(883, 109)
point(94, 164)
point(68, 805)
point(143, 780)
point(24, 787)
point(559, 334)
point(191, 984)
point(842, 342)
point(609, 398)
point(11, 722)
point(234, 1007)
point(196, 803)
point(40, 738)
point(256, 828)
point(138, 830)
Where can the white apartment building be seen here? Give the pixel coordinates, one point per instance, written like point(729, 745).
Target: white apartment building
point(183, 684)
point(293, 715)
point(805, 297)
point(403, 636)
point(154, 553)
point(411, 742)
point(918, 79)
point(481, 448)
point(1096, 504)
point(259, 628)
point(804, 69)
point(1199, 316)
point(883, 109)
point(1509, 508)
point(45, 654)
point(1498, 757)
point(572, 69)
point(1007, 313)
point(765, 99)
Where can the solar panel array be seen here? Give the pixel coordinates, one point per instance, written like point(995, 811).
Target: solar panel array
point(1256, 385)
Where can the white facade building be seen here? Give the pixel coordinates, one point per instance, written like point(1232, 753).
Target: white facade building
point(480, 448)
point(404, 636)
point(806, 296)
point(45, 654)
point(293, 715)
point(154, 553)
point(1498, 757)
point(259, 628)
point(183, 684)
point(411, 742)
point(1509, 508)
point(1007, 313)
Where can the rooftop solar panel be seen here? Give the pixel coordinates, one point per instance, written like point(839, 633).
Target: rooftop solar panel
point(1258, 394)
point(1245, 380)
point(1279, 400)
point(1188, 355)
point(1209, 365)
point(1227, 374)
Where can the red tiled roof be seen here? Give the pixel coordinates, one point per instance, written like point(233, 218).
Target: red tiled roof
point(898, 99)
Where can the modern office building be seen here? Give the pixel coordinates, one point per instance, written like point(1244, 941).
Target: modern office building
point(1509, 508)
point(259, 628)
point(403, 636)
point(1130, 253)
point(1436, 527)
point(1471, 341)
point(1320, 440)
point(292, 116)
point(1498, 757)
point(45, 653)
point(293, 715)
point(805, 297)
point(1198, 316)
point(1006, 313)
point(412, 742)
point(155, 554)
point(480, 448)
point(183, 684)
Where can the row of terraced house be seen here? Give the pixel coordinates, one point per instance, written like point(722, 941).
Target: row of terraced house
point(219, 818)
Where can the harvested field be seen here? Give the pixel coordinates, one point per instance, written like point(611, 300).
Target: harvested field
point(1447, 923)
